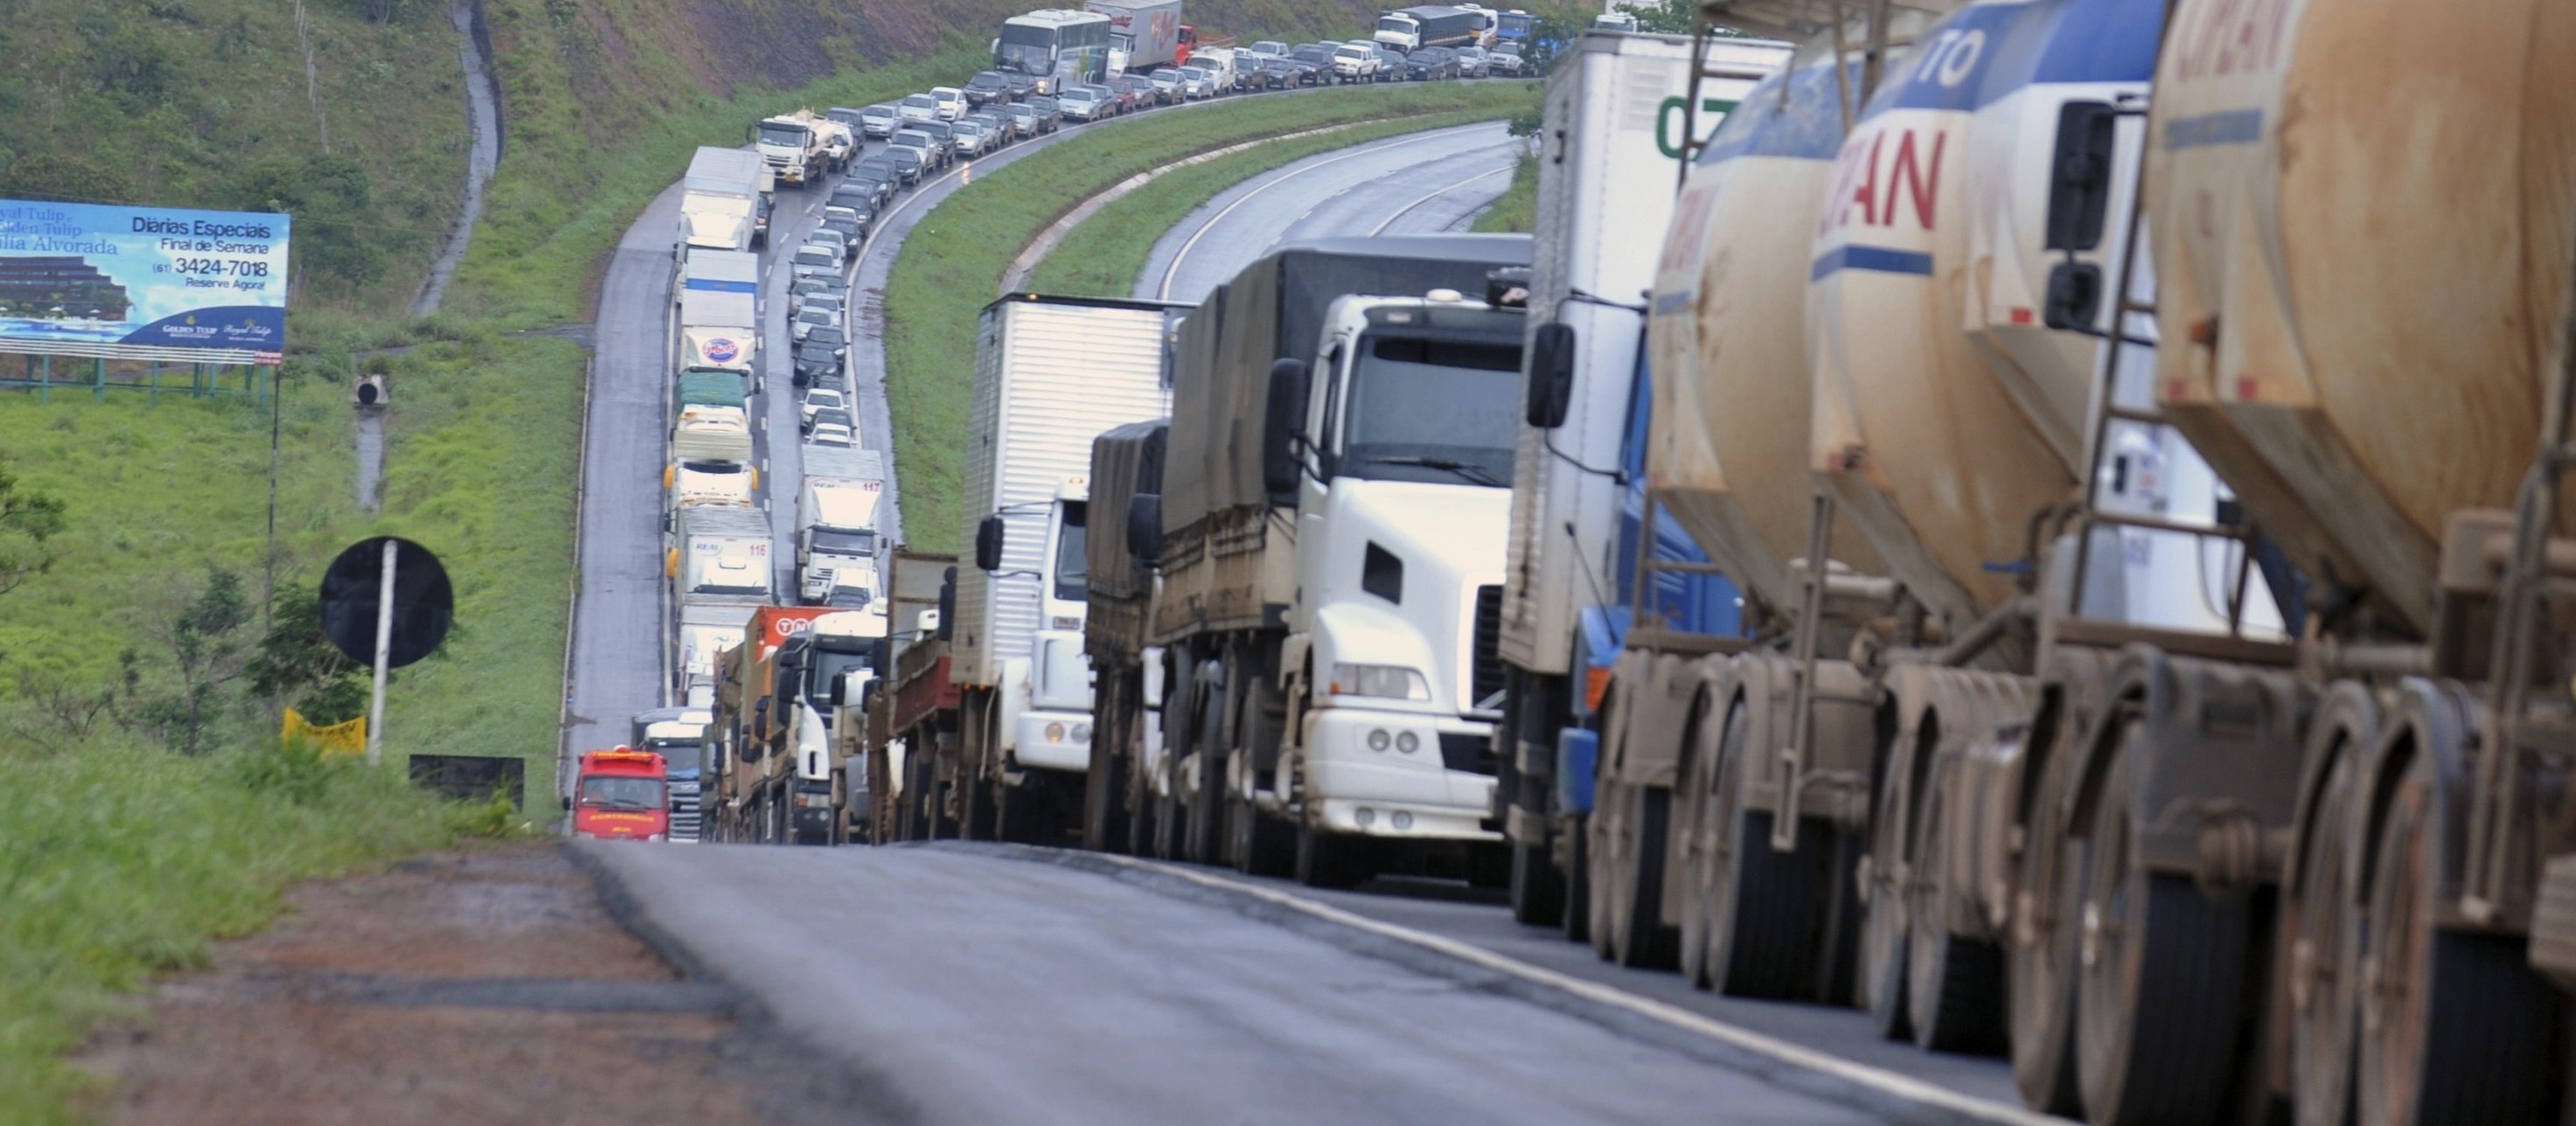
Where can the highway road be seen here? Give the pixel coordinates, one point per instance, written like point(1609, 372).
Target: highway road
point(1160, 993)
point(978, 984)
point(1418, 184)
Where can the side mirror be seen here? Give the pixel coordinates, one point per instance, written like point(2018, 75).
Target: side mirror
point(948, 604)
point(2079, 192)
point(1551, 376)
point(2074, 296)
point(1283, 423)
point(1145, 528)
point(988, 544)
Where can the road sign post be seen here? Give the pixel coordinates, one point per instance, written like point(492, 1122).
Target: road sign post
point(384, 653)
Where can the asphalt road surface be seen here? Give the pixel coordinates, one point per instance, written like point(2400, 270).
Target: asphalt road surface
point(1418, 184)
point(963, 985)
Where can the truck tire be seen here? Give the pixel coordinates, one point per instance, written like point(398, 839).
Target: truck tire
point(2159, 1006)
point(1104, 789)
point(2318, 924)
point(1537, 888)
point(1760, 911)
point(1954, 983)
point(1328, 860)
point(2042, 956)
point(1634, 870)
point(1262, 845)
point(2456, 1025)
point(1576, 919)
point(1141, 800)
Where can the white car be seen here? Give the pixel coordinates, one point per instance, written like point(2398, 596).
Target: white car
point(832, 434)
point(832, 241)
point(1354, 63)
point(813, 317)
point(952, 102)
point(1080, 105)
point(820, 399)
point(1472, 62)
point(812, 258)
point(1505, 59)
point(918, 107)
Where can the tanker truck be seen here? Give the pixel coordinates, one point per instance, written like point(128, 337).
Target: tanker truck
point(1565, 611)
point(1332, 559)
point(2121, 740)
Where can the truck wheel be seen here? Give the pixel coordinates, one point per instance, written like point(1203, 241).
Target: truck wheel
point(1606, 818)
point(2456, 1025)
point(1954, 984)
point(1263, 846)
point(1104, 787)
point(1538, 889)
point(1327, 860)
point(1761, 910)
point(1142, 803)
point(2158, 1009)
point(1884, 930)
point(1576, 919)
point(2316, 918)
point(1638, 937)
point(1207, 794)
point(2043, 951)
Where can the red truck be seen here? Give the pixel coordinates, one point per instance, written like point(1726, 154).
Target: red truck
point(621, 795)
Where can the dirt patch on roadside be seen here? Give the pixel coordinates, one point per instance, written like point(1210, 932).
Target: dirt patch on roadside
point(483, 986)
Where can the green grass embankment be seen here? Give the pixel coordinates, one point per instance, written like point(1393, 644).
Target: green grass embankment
point(1517, 209)
point(952, 263)
point(122, 861)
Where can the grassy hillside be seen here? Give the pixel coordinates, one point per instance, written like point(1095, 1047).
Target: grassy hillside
point(207, 103)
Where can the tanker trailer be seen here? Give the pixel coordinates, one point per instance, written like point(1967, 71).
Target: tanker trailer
point(1730, 367)
point(2363, 281)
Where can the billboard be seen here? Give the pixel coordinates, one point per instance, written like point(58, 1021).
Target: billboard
point(142, 283)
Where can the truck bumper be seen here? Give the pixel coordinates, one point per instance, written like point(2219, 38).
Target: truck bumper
point(1054, 741)
point(1351, 787)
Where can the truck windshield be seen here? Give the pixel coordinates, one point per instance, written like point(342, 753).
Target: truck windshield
point(1435, 410)
point(1071, 581)
point(860, 543)
point(1397, 24)
point(792, 136)
point(621, 793)
point(712, 467)
point(678, 758)
point(827, 664)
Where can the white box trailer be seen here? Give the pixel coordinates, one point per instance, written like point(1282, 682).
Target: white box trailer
point(720, 199)
point(1051, 374)
point(838, 535)
point(718, 292)
point(1607, 175)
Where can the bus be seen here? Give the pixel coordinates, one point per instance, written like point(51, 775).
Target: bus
point(1056, 46)
point(1515, 26)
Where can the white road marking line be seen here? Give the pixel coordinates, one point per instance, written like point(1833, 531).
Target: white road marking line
point(1407, 209)
point(1858, 1074)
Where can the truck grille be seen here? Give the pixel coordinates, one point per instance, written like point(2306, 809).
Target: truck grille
point(685, 818)
point(1484, 654)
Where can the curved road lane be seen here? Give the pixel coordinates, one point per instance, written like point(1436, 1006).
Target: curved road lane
point(1417, 185)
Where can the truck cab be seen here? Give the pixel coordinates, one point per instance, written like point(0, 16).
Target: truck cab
point(1054, 729)
point(837, 662)
point(621, 795)
point(791, 147)
point(1398, 444)
point(679, 736)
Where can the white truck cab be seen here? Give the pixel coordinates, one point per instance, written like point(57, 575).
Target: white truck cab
point(1404, 465)
point(1053, 687)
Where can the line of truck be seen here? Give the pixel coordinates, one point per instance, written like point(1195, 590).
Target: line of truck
point(2057, 544)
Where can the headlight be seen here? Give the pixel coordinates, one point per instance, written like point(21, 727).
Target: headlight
point(1082, 733)
point(1385, 682)
point(656, 837)
point(1055, 733)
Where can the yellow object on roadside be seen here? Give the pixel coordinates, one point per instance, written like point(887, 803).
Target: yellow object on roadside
point(348, 738)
